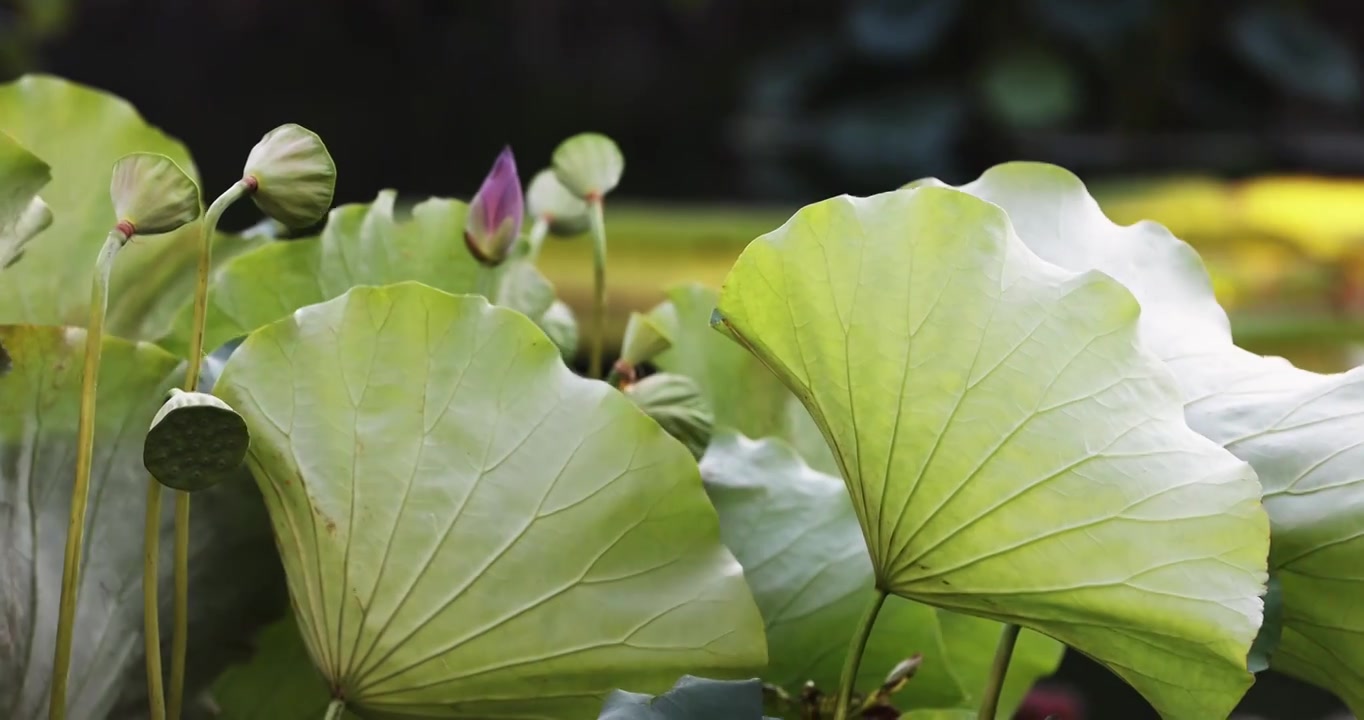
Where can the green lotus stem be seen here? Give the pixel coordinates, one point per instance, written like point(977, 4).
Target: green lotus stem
point(335, 709)
point(180, 638)
point(80, 489)
point(598, 226)
point(151, 621)
point(854, 659)
point(536, 239)
point(994, 685)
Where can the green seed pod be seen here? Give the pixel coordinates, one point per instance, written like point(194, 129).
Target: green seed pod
point(589, 165)
point(549, 200)
point(152, 195)
point(676, 403)
point(293, 175)
point(195, 442)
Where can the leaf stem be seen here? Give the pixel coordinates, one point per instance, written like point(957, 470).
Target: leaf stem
point(854, 658)
point(536, 239)
point(598, 225)
point(335, 709)
point(151, 621)
point(994, 685)
point(180, 637)
point(80, 489)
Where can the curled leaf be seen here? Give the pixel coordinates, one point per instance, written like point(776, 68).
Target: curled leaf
point(152, 194)
point(549, 200)
point(589, 165)
point(294, 175)
point(22, 213)
point(644, 339)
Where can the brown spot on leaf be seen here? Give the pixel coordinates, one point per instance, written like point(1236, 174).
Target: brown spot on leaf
point(6, 364)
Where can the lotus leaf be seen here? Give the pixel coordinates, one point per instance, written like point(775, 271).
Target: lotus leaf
point(1011, 449)
point(469, 529)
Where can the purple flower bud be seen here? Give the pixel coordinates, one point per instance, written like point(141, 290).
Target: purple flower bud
point(495, 213)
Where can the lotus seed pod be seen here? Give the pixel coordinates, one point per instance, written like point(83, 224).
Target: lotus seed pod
point(550, 201)
point(196, 441)
point(496, 212)
point(589, 165)
point(677, 404)
point(152, 195)
point(293, 176)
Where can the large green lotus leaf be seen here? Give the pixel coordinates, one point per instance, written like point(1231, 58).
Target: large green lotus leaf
point(794, 531)
point(40, 370)
point(80, 132)
point(1011, 449)
point(361, 245)
point(745, 396)
point(469, 529)
point(22, 213)
point(1302, 432)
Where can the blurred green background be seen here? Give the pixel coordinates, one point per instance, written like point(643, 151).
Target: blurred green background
point(1237, 124)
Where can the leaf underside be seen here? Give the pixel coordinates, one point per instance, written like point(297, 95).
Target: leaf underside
point(794, 530)
point(1010, 448)
point(1303, 432)
point(469, 529)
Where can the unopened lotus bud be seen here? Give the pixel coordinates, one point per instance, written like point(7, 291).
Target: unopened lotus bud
point(291, 176)
point(152, 195)
point(496, 212)
point(589, 165)
point(196, 441)
point(548, 200)
point(676, 403)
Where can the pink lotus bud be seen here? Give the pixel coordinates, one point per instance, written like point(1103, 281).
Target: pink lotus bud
point(495, 213)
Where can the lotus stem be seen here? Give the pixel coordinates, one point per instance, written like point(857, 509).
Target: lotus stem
point(335, 709)
point(80, 489)
point(994, 685)
point(848, 679)
point(180, 637)
point(536, 239)
point(151, 621)
point(598, 225)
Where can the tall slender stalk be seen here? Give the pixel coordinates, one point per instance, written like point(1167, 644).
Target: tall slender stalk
point(335, 709)
point(994, 685)
point(598, 226)
point(80, 490)
point(180, 637)
point(151, 621)
point(536, 239)
point(854, 659)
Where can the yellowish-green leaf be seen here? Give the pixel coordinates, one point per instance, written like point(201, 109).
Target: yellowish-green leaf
point(454, 505)
point(1303, 432)
point(1011, 449)
point(795, 532)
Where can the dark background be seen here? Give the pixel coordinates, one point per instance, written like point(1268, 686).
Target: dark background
point(738, 101)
